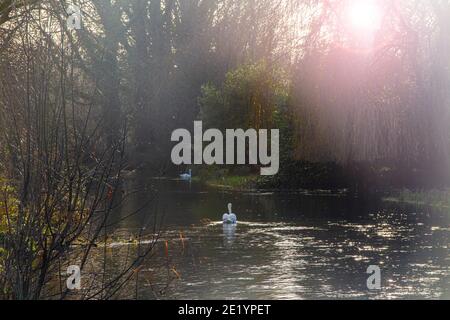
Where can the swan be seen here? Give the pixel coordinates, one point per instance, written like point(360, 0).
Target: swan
point(230, 217)
point(186, 176)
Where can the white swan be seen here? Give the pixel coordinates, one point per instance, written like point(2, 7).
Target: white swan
point(186, 176)
point(230, 217)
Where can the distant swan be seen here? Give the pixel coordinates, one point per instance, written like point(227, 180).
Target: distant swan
point(186, 176)
point(230, 217)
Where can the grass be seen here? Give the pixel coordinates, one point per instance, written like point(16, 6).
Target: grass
point(226, 178)
point(233, 182)
point(434, 198)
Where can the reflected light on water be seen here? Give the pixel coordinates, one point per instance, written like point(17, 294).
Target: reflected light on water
point(306, 251)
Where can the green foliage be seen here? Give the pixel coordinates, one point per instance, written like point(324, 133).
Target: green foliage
point(9, 206)
point(249, 98)
point(253, 96)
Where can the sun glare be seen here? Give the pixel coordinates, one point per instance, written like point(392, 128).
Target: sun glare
point(365, 15)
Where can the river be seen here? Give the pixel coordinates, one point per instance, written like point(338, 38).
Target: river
point(288, 245)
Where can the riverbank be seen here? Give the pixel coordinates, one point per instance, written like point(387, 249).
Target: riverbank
point(433, 198)
point(231, 182)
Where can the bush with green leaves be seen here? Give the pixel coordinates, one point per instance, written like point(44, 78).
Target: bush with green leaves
point(249, 97)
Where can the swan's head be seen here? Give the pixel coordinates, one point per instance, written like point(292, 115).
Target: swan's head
point(229, 208)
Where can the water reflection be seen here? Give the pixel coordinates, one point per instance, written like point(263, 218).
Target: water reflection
point(229, 231)
point(314, 247)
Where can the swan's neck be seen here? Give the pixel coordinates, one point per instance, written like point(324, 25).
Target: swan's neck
point(229, 208)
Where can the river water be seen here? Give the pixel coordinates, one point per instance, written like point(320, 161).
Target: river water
point(288, 245)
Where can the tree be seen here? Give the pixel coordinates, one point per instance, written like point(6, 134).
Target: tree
point(249, 98)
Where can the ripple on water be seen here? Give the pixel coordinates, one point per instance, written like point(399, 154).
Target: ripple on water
point(314, 259)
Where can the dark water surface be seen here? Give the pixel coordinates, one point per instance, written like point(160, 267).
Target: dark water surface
point(294, 246)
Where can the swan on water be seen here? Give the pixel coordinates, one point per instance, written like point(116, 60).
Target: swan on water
point(230, 217)
point(186, 176)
